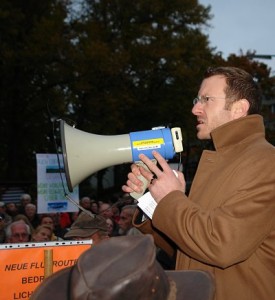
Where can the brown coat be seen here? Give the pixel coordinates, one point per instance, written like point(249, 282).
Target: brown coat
point(227, 223)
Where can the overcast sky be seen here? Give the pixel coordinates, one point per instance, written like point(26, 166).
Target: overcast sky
point(243, 25)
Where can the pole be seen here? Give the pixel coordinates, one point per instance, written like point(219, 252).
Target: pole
point(48, 262)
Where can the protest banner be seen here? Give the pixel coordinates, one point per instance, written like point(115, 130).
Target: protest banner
point(51, 182)
point(22, 266)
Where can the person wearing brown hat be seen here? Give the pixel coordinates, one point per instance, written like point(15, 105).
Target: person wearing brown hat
point(131, 272)
point(88, 226)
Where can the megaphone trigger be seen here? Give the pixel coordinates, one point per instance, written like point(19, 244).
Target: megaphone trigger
point(136, 195)
point(177, 139)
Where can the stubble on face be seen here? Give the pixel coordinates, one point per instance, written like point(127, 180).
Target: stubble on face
point(212, 114)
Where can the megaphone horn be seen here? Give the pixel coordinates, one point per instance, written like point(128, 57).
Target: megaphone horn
point(86, 153)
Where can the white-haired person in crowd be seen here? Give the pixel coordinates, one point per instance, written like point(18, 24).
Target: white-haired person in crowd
point(18, 232)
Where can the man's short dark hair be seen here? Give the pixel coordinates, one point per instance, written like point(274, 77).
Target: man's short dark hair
point(240, 85)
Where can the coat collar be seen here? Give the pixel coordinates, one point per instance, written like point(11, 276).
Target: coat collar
point(238, 130)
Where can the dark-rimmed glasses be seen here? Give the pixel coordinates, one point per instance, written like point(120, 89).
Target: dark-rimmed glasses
point(205, 99)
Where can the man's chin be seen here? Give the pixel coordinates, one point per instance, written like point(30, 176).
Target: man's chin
point(203, 136)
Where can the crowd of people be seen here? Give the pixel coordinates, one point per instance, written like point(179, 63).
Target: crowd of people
point(20, 223)
point(223, 226)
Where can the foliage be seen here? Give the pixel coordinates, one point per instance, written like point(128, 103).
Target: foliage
point(137, 63)
point(112, 67)
point(23, 116)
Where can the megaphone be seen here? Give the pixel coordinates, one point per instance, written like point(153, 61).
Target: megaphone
point(86, 153)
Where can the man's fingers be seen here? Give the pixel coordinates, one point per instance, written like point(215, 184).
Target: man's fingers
point(135, 169)
point(152, 166)
point(134, 180)
point(162, 162)
point(126, 189)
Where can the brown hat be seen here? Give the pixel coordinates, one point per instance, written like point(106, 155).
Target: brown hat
point(85, 225)
point(124, 268)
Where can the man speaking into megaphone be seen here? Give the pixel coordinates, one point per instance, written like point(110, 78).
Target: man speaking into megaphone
point(225, 225)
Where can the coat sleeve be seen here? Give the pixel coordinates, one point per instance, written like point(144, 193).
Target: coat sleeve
point(160, 239)
point(222, 236)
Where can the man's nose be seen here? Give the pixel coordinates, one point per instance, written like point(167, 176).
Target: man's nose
point(196, 109)
point(21, 237)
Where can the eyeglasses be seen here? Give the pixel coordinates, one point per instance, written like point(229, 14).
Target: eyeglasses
point(204, 99)
point(20, 235)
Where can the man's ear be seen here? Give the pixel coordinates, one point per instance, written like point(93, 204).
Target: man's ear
point(240, 108)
